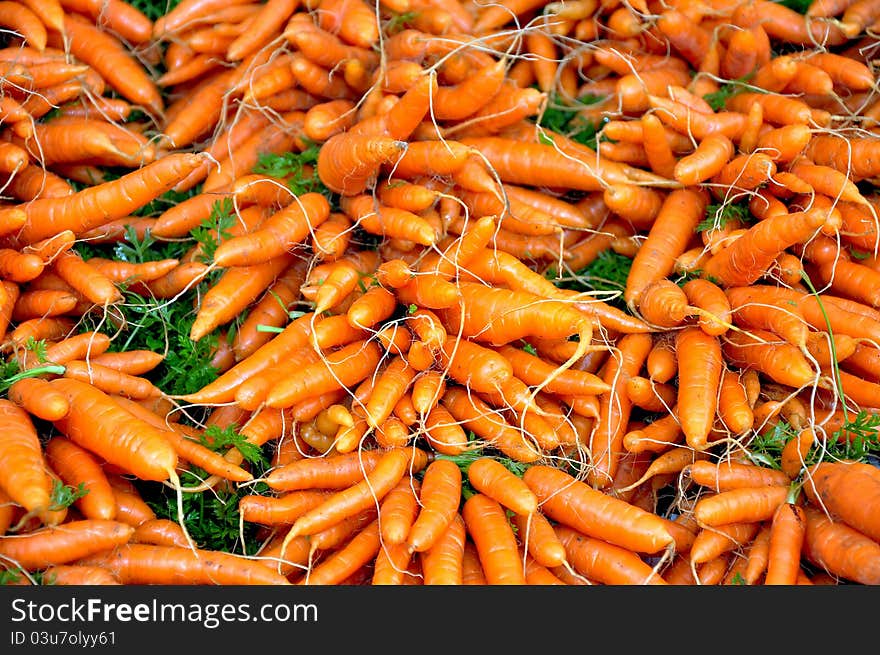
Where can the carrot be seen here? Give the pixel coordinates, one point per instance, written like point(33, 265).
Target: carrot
point(342, 368)
point(38, 397)
point(371, 488)
point(593, 513)
point(262, 27)
point(488, 424)
point(787, 530)
point(110, 380)
point(347, 162)
point(763, 242)
point(540, 539)
point(129, 443)
point(278, 234)
point(75, 574)
point(713, 542)
point(236, 289)
point(443, 431)
point(76, 466)
point(742, 504)
point(399, 510)
point(280, 510)
point(360, 550)
point(133, 362)
point(101, 203)
point(25, 479)
point(442, 563)
point(605, 562)
point(137, 563)
point(668, 237)
point(130, 507)
point(710, 156)
point(390, 222)
point(699, 378)
point(615, 407)
point(63, 544)
point(534, 371)
point(781, 361)
point(492, 479)
point(839, 549)
point(833, 485)
point(488, 527)
point(657, 436)
point(107, 55)
point(160, 532)
point(21, 20)
point(728, 475)
point(550, 165)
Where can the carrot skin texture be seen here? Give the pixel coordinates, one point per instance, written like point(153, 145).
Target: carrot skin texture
point(594, 513)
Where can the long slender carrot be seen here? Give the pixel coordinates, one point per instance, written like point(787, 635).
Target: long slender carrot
point(567, 500)
point(62, 544)
point(137, 563)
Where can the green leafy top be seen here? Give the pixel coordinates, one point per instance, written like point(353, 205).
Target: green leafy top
point(63, 495)
point(563, 118)
point(221, 439)
point(800, 6)
point(720, 214)
point(291, 167)
point(214, 229)
point(855, 440)
point(607, 273)
point(717, 99)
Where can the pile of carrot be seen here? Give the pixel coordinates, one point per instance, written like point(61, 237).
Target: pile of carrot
point(400, 314)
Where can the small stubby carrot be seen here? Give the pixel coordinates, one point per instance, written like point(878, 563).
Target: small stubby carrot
point(488, 527)
point(444, 432)
point(63, 544)
point(572, 502)
point(794, 454)
point(347, 162)
point(398, 511)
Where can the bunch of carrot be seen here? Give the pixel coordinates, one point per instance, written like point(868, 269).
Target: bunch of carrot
point(377, 215)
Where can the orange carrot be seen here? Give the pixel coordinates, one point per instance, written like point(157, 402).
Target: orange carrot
point(571, 502)
point(493, 537)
